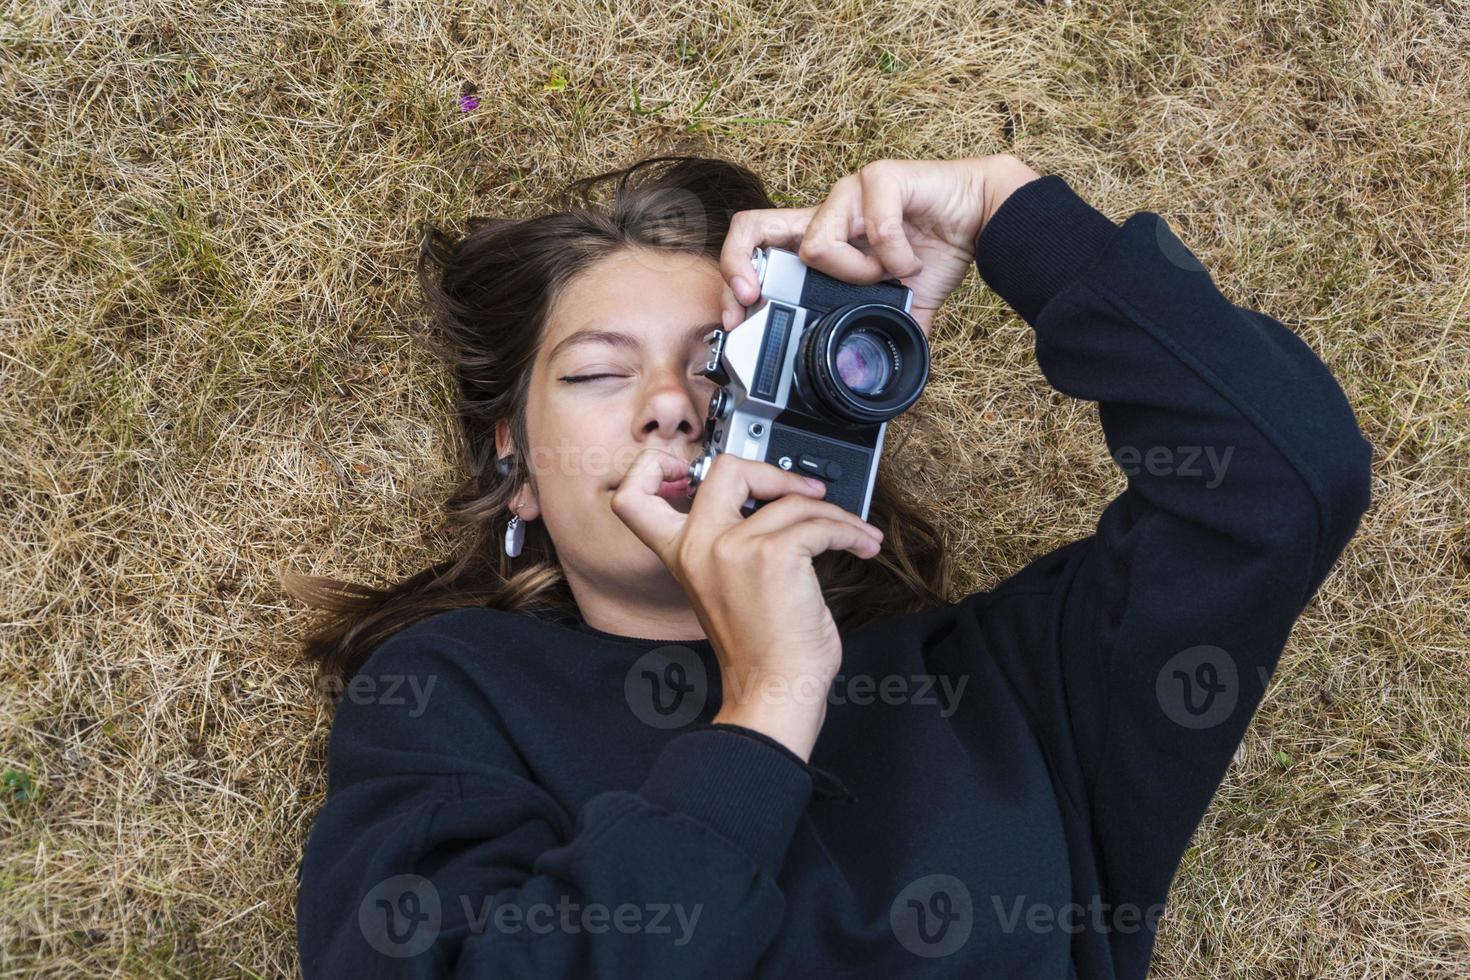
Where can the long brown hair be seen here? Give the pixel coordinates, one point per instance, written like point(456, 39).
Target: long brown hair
point(488, 295)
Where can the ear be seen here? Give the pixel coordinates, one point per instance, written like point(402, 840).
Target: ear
point(504, 446)
point(503, 443)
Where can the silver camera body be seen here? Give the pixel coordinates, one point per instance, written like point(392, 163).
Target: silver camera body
point(810, 379)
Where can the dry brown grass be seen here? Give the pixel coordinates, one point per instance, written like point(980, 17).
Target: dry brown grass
point(209, 216)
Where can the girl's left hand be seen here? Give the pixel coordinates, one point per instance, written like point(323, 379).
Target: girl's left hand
point(913, 220)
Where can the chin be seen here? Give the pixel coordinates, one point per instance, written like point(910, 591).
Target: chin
point(646, 574)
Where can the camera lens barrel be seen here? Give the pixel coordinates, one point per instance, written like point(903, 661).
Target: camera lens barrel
point(863, 363)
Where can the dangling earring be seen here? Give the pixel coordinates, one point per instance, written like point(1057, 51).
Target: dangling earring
point(515, 530)
point(515, 536)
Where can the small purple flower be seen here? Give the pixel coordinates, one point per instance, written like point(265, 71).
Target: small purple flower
point(468, 103)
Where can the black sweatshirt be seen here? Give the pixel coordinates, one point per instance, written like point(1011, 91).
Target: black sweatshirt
point(1003, 786)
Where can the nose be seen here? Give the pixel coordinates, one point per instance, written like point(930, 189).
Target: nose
point(671, 413)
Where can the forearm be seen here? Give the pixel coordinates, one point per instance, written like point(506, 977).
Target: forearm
point(788, 709)
point(1246, 476)
point(1197, 396)
point(435, 804)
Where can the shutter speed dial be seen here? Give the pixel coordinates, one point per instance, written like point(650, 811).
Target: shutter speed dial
point(698, 469)
point(719, 403)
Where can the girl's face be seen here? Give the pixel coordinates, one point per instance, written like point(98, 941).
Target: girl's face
point(631, 327)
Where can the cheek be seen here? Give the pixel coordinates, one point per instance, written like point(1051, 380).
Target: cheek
point(593, 458)
point(579, 461)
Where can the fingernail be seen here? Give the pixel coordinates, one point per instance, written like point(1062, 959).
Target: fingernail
point(743, 290)
point(814, 483)
point(725, 317)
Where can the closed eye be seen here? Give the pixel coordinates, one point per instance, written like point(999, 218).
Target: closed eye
point(579, 378)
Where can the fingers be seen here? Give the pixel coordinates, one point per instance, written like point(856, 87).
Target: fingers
point(637, 503)
point(781, 514)
point(732, 311)
point(885, 193)
point(869, 204)
point(749, 230)
point(810, 538)
point(827, 245)
point(731, 480)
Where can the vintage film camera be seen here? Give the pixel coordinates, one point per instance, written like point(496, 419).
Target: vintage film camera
point(812, 376)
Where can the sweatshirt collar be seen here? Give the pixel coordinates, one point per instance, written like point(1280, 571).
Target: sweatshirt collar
point(644, 642)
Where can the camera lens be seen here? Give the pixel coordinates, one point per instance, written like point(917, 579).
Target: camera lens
point(863, 363)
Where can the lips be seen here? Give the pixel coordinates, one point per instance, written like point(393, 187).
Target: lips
point(675, 492)
point(674, 489)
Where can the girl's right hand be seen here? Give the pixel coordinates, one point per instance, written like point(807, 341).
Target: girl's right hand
point(751, 581)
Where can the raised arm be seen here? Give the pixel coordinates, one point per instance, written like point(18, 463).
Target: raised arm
point(1247, 475)
point(437, 854)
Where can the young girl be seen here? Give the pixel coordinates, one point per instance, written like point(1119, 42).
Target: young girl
point(630, 733)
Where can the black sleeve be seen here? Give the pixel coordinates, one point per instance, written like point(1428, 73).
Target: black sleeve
point(437, 853)
point(1246, 477)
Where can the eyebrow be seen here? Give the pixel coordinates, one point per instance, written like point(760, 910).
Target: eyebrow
point(623, 340)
